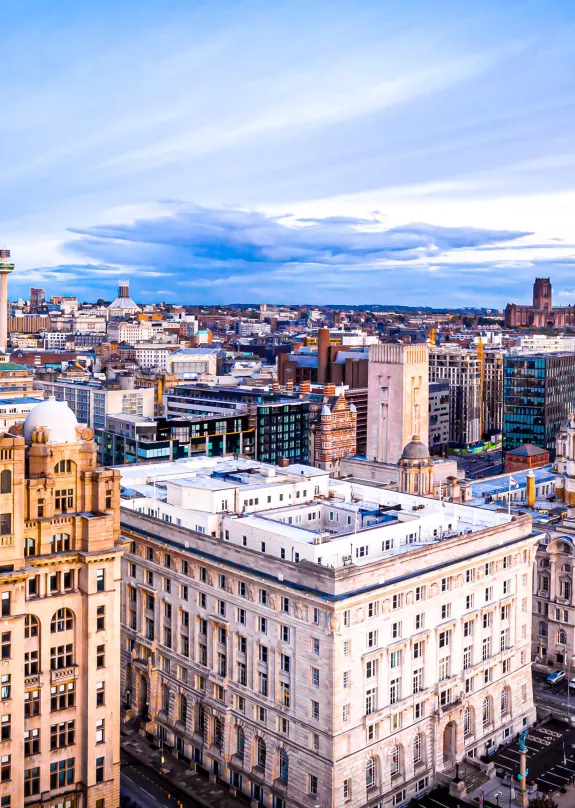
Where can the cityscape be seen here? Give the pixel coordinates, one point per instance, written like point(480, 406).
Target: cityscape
point(287, 406)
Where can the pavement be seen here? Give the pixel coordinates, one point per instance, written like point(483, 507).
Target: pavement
point(178, 787)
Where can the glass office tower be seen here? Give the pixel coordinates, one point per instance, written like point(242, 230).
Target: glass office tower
point(538, 394)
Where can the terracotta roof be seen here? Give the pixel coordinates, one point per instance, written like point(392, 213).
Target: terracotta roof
point(527, 450)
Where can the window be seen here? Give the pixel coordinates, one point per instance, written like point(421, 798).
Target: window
point(445, 611)
point(6, 727)
point(6, 644)
point(285, 633)
point(63, 620)
point(417, 749)
point(419, 621)
point(315, 677)
point(370, 773)
point(315, 646)
point(399, 797)
point(469, 600)
point(100, 769)
point(419, 593)
point(100, 580)
point(313, 784)
point(394, 691)
point(346, 618)
point(5, 601)
point(396, 631)
point(372, 639)
point(64, 500)
point(263, 625)
point(62, 696)
point(486, 711)
point(395, 659)
point(31, 626)
point(61, 656)
point(371, 667)
point(283, 765)
point(100, 693)
point(347, 789)
point(395, 761)
point(418, 680)
point(445, 584)
point(62, 734)
point(345, 712)
point(101, 656)
point(315, 710)
point(444, 639)
point(396, 601)
point(100, 725)
point(345, 677)
point(62, 773)
point(31, 782)
point(31, 664)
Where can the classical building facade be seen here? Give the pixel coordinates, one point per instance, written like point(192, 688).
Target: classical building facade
point(565, 462)
point(541, 314)
point(416, 469)
point(553, 604)
point(297, 665)
point(60, 609)
point(332, 430)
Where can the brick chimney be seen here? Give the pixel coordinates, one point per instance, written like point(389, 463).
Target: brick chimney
point(329, 390)
point(305, 386)
point(283, 462)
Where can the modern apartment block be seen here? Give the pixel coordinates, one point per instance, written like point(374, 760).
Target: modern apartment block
point(492, 393)
point(283, 649)
point(60, 624)
point(463, 371)
point(439, 417)
point(538, 395)
point(91, 401)
point(138, 439)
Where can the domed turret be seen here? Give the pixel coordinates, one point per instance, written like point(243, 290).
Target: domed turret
point(54, 416)
point(415, 450)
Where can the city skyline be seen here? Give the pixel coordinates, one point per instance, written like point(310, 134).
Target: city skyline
point(238, 152)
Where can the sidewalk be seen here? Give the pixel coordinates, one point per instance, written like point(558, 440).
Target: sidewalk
point(176, 772)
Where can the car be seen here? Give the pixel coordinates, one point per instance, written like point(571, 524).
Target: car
point(555, 677)
point(572, 682)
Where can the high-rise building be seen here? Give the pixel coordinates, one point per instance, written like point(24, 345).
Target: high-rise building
point(439, 417)
point(492, 393)
point(538, 395)
point(462, 369)
point(398, 399)
point(59, 589)
point(37, 299)
point(309, 648)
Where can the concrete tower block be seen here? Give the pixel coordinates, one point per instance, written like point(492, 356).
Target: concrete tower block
point(398, 399)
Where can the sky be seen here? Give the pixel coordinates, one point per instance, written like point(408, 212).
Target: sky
point(225, 151)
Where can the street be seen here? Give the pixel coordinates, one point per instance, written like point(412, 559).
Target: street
point(553, 696)
point(149, 789)
point(478, 466)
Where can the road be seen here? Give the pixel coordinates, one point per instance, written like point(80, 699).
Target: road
point(553, 696)
point(147, 788)
point(475, 467)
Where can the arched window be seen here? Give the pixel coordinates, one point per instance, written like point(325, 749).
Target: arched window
point(284, 765)
point(31, 626)
point(486, 710)
point(240, 742)
point(467, 721)
point(166, 698)
point(504, 701)
point(217, 732)
point(370, 773)
point(261, 753)
point(29, 547)
point(63, 620)
point(182, 708)
point(6, 482)
point(561, 637)
point(60, 543)
point(542, 629)
point(63, 467)
point(395, 763)
point(417, 749)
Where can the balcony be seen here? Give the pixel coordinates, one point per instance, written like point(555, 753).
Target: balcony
point(70, 672)
point(34, 680)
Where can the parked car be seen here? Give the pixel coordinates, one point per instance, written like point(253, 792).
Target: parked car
point(572, 682)
point(556, 677)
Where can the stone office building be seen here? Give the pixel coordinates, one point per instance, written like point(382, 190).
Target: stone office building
point(289, 655)
point(60, 629)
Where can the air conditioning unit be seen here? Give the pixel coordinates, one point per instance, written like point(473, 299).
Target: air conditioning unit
point(347, 560)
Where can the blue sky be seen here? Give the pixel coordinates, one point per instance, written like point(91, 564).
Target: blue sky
point(419, 153)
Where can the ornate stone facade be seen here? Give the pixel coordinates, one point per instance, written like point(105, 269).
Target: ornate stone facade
point(59, 579)
point(565, 462)
point(302, 684)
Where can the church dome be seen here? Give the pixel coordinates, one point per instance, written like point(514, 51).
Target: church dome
point(415, 450)
point(55, 416)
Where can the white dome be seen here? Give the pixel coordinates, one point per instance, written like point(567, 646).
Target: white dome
point(55, 416)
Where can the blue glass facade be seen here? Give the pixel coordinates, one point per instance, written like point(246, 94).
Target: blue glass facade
point(538, 394)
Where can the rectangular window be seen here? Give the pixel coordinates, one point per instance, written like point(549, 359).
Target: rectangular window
point(62, 773)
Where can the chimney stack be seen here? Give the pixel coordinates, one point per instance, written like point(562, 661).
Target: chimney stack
point(305, 386)
point(329, 390)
